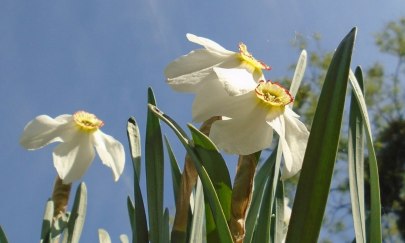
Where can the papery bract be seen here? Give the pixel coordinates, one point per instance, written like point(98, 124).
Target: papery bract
point(79, 134)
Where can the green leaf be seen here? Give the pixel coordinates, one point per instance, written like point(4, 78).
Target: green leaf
point(103, 236)
point(209, 189)
point(320, 156)
point(176, 172)
point(375, 204)
point(166, 227)
point(356, 164)
point(78, 215)
point(218, 172)
point(278, 222)
point(262, 176)
point(154, 172)
point(137, 214)
point(131, 214)
point(197, 224)
point(124, 238)
point(134, 139)
point(47, 222)
point(3, 237)
point(262, 231)
point(298, 73)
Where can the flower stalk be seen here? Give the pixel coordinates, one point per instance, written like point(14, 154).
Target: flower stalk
point(188, 182)
point(60, 196)
point(242, 195)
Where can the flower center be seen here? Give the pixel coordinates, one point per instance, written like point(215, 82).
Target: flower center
point(273, 94)
point(87, 121)
point(248, 58)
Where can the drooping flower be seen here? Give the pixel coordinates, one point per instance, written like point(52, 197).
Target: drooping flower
point(190, 70)
point(251, 112)
point(79, 134)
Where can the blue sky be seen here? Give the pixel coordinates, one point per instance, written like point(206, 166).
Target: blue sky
point(57, 57)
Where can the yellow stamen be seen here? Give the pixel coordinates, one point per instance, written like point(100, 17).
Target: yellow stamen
point(273, 94)
point(87, 121)
point(248, 58)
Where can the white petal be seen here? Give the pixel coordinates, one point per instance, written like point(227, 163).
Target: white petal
point(214, 101)
point(296, 135)
point(194, 61)
point(111, 152)
point(208, 100)
point(190, 69)
point(236, 81)
point(278, 124)
point(44, 130)
point(189, 82)
point(209, 45)
point(72, 159)
point(243, 135)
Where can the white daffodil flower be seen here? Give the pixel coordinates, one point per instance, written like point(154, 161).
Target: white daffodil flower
point(252, 111)
point(188, 71)
point(78, 134)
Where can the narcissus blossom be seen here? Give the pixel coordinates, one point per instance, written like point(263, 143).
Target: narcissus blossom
point(190, 70)
point(79, 134)
point(251, 111)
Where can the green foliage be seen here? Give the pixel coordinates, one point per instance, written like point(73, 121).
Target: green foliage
point(375, 200)
point(391, 39)
point(77, 216)
point(68, 225)
point(209, 189)
point(154, 173)
point(136, 211)
point(320, 156)
point(3, 237)
point(176, 173)
point(356, 164)
point(391, 159)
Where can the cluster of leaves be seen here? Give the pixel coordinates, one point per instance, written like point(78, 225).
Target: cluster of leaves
point(384, 99)
point(264, 216)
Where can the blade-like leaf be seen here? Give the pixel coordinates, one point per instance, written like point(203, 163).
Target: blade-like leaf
point(124, 238)
point(78, 215)
point(176, 172)
point(3, 237)
point(218, 172)
point(154, 172)
point(209, 189)
point(103, 236)
point(262, 176)
point(166, 227)
point(131, 214)
point(316, 174)
point(262, 231)
point(197, 225)
point(374, 231)
point(356, 164)
point(134, 139)
point(298, 74)
point(47, 222)
point(137, 214)
point(278, 221)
